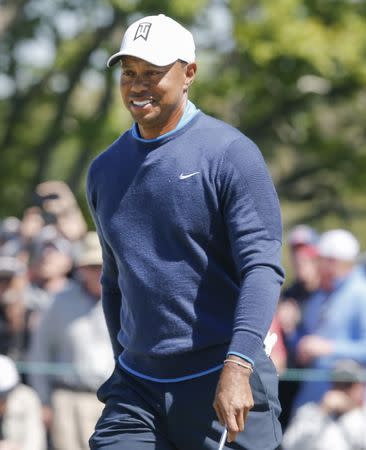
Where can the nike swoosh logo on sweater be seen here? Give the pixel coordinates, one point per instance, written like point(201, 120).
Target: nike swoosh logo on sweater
point(183, 177)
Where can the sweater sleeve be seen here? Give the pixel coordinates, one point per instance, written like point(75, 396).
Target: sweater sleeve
point(252, 215)
point(111, 294)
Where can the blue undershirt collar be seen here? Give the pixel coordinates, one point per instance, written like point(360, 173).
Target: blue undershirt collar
point(189, 112)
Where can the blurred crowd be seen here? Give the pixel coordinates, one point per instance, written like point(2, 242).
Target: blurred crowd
point(54, 344)
point(321, 320)
point(55, 350)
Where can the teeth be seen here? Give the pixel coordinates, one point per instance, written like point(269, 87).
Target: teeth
point(145, 102)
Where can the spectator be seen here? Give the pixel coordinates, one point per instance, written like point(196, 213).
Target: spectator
point(73, 332)
point(16, 324)
point(59, 207)
point(14, 276)
point(338, 421)
point(20, 245)
point(9, 229)
point(12, 272)
point(21, 425)
point(31, 224)
point(334, 321)
point(303, 252)
point(51, 261)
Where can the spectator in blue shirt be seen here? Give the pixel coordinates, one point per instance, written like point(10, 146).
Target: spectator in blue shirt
point(334, 321)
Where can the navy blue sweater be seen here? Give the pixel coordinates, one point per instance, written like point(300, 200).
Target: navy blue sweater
point(191, 232)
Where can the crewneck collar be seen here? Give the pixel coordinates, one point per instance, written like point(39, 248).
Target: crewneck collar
point(189, 113)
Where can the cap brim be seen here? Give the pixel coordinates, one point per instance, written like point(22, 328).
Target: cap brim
point(117, 56)
point(114, 59)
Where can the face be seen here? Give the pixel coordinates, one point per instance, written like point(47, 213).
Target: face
point(305, 266)
point(331, 269)
point(53, 263)
point(154, 95)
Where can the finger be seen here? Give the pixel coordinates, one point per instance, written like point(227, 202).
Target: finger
point(240, 420)
point(245, 415)
point(231, 436)
point(232, 427)
point(219, 414)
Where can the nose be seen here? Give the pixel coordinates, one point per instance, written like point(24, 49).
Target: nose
point(139, 84)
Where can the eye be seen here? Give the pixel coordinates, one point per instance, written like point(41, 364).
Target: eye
point(127, 73)
point(153, 73)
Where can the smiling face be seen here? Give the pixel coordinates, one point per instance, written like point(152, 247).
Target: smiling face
point(155, 96)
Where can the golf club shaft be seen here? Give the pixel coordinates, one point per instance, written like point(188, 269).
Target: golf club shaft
point(223, 439)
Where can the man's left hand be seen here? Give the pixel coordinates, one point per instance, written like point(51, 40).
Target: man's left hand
point(233, 398)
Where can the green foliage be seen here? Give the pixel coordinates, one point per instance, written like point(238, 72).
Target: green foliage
point(292, 78)
point(295, 83)
point(59, 113)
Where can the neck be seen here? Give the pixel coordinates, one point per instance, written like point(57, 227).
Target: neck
point(152, 133)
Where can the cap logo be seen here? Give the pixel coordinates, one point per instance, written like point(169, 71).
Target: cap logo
point(143, 30)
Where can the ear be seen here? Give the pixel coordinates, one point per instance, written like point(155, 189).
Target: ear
point(190, 74)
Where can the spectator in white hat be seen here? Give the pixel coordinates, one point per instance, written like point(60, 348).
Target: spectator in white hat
point(73, 332)
point(21, 425)
point(338, 251)
point(334, 321)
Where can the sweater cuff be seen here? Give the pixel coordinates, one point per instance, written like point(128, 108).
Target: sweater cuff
point(245, 345)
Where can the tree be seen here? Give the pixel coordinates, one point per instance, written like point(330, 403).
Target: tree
point(295, 83)
point(291, 76)
point(60, 106)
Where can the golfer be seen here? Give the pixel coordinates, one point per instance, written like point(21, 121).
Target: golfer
point(190, 227)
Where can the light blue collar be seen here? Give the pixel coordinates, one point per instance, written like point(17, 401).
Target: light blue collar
point(189, 112)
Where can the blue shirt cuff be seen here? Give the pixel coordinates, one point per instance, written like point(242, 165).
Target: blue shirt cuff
point(246, 358)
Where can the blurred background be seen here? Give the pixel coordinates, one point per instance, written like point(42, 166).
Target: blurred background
point(290, 74)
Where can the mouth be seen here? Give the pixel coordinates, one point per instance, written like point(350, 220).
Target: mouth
point(141, 103)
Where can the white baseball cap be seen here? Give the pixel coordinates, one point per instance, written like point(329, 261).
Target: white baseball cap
point(9, 376)
point(158, 40)
point(338, 244)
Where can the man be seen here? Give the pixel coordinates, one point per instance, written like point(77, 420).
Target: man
point(16, 324)
point(190, 229)
point(302, 242)
point(337, 421)
point(334, 320)
point(51, 261)
point(15, 316)
point(73, 333)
